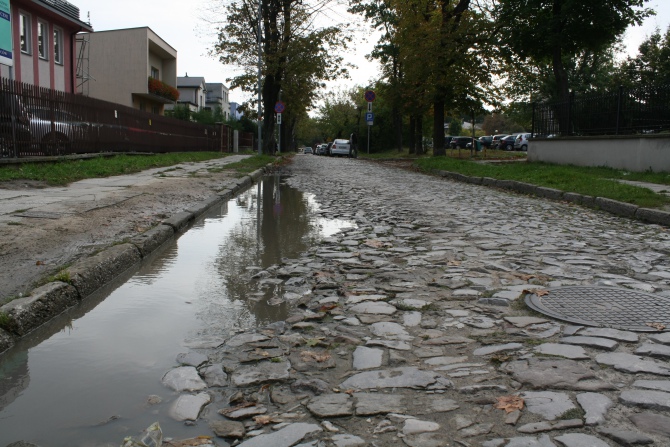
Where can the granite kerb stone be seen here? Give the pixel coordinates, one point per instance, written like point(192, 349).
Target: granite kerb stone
point(615, 207)
point(516, 186)
point(180, 221)
point(258, 173)
point(23, 315)
point(152, 239)
point(489, 181)
point(201, 208)
point(549, 193)
point(88, 275)
point(653, 216)
point(6, 340)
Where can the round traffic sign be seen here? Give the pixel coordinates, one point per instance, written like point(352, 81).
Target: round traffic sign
point(279, 107)
point(370, 96)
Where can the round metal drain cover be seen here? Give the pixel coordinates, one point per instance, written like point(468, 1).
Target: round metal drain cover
point(605, 307)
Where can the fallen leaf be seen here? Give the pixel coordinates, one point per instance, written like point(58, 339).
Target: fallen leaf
point(39, 263)
point(523, 276)
point(327, 307)
point(657, 326)
point(509, 403)
point(311, 355)
point(349, 392)
point(541, 292)
point(226, 411)
point(263, 419)
point(374, 243)
point(454, 263)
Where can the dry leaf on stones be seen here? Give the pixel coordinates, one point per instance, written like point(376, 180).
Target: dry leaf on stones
point(374, 243)
point(509, 403)
point(306, 356)
point(225, 411)
point(657, 326)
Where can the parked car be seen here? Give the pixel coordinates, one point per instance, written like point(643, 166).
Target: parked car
point(521, 142)
point(340, 147)
point(486, 141)
point(507, 143)
point(459, 142)
point(495, 141)
point(307, 150)
point(54, 130)
point(13, 125)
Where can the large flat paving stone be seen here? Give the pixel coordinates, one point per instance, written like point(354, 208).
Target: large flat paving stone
point(592, 342)
point(548, 404)
point(652, 423)
point(405, 377)
point(653, 400)
point(286, 437)
point(562, 350)
point(557, 374)
point(263, 372)
point(633, 364)
point(580, 440)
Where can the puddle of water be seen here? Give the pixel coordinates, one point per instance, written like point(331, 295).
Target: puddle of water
point(84, 378)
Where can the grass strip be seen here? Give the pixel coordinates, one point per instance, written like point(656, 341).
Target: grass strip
point(590, 181)
point(63, 172)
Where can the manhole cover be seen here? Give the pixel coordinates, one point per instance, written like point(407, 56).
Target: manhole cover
point(605, 307)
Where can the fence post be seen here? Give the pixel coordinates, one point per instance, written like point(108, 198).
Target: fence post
point(532, 121)
point(618, 109)
point(571, 99)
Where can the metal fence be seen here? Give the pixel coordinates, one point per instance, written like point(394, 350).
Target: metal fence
point(623, 112)
point(36, 121)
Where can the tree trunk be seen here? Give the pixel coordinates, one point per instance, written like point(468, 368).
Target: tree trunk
point(397, 124)
point(412, 128)
point(438, 128)
point(419, 135)
point(562, 84)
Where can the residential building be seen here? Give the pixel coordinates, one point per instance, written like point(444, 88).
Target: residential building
point(217, 97)
point(43, 43)
point(120, 63)
point(192, 93)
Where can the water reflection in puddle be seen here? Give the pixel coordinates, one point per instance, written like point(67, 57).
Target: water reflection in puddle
point(84, 379)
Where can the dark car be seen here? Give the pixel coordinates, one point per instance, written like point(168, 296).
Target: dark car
point(459, 142)
point(507, 143)
point(486, 141)
point(495, 141)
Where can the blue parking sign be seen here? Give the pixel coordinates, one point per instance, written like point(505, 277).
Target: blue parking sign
point(369, 116)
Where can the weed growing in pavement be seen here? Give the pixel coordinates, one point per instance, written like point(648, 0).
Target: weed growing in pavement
point(534, 342)
point(15, 223)
point(276, 360)
point(5, 320)
point(573, 413)
point(63, 276)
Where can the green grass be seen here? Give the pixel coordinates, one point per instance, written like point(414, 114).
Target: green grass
point(63, 172)
point(597, 182)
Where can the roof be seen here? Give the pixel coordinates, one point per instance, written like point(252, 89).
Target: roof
point(190, 81)
point(66, 10)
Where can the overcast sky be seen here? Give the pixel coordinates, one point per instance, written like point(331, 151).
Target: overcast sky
point(180, 24)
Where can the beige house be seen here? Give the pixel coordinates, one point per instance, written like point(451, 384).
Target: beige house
point(120, 63)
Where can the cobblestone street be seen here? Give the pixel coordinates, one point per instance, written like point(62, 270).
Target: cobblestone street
point(421, 308)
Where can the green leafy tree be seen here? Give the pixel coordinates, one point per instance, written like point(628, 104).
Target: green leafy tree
point(651, 66)
point(545, 33)
point(294, 52)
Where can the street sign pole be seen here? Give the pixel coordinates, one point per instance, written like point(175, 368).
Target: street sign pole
point(369, 117)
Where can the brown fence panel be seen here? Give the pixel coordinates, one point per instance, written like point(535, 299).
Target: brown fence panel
point(36, 121)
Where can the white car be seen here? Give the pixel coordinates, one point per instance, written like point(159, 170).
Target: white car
point(340, 147)
point(521, 141)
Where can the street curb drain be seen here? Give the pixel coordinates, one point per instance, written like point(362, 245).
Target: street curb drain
point(608, 307)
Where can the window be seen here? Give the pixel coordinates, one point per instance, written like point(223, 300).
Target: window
point(58, 46)
point(155, 73)
point(24, 33)
point(42, 40)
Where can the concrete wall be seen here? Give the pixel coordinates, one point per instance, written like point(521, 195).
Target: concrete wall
point(632, 153)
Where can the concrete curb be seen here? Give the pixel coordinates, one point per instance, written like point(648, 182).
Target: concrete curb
point(21, 316)
point(89, 274)
point(44, 303)
point(615, 207)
